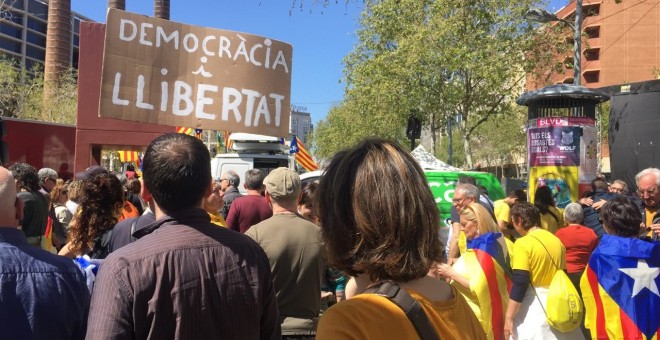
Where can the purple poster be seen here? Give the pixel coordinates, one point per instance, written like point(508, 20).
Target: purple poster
point(559, 145)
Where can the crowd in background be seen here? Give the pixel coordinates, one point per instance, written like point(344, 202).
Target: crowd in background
point(175, 253)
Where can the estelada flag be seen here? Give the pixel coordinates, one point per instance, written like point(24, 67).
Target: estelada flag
point(488, 265)
point(184, 130)
point(198, 133)
point(302, 156)
point(620, 289)
point(129, 156)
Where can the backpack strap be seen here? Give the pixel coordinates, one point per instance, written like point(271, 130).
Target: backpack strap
point(133, 224)
point(411, 307)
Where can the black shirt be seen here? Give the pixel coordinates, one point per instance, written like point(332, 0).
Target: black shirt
point(121, 233)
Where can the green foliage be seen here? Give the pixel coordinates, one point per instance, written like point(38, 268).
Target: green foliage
point(23, 95)
point(433, 59)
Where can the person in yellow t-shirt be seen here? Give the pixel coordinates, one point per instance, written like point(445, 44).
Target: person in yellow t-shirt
point(502, 208)
point(361, 216)
point(537, 255)
point(213, 204)
point(552, 218)
point(475, 281)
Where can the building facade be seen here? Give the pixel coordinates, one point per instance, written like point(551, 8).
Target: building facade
point(301, 123)
point(23, 26)
point(620, 43)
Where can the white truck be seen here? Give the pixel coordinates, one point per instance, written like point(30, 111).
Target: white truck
point(252, 151)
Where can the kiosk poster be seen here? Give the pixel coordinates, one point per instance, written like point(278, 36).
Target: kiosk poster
point(554, 145)
point(562, 181)
point(161, 72)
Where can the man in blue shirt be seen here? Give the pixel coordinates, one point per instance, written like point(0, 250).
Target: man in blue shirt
point(43, 295)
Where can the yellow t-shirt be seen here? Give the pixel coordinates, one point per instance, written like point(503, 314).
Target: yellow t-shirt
point(650, 214)
point(550, 223)
point(502, 211)
point(530, 255)
point(218, 220)
point(369, 316)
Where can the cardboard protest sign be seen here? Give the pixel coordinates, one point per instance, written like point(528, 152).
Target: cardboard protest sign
point(161, 72)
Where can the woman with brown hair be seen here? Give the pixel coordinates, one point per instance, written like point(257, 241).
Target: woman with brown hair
point(380, 224)
point(100, 203)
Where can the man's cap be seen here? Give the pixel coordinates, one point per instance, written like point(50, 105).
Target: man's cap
point(91, 171)
point(282, 183)
point(45, 173)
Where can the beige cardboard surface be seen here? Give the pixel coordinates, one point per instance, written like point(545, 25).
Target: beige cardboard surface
point(167, 73)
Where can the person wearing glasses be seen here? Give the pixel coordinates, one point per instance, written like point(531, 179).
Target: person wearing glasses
point(229, 185)
point(619, 187)
point(648, 189)
point(464, 195)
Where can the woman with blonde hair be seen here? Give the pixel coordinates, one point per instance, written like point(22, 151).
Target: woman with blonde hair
point(485, 263)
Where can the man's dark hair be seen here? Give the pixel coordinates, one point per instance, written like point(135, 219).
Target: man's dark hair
point(543, 199)
point(482, 189)
point(528, 213)
point(520, 195)
point(254, 179)
point(465, 179)
point(599, 184)
point(622, 217)
point(177, 171)
point(26, 175)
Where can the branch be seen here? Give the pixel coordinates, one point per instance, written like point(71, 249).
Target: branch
point(493, 107)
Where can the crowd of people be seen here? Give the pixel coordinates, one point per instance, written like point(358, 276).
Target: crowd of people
point(177, 253)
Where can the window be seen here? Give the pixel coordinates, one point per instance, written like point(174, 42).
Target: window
point(12, 16)
point(592, 54)
point(37, 25)
point(35, 52)
point(592, 76)
point(11, 30)
point(76, 40)
point(592, 32)
point(31, 65)
point(36, 38)
point(10, 45)
point(74, 58)
point(76, 25)
point(38, 9)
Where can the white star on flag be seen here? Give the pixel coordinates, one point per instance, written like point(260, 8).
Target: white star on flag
point(644, 277)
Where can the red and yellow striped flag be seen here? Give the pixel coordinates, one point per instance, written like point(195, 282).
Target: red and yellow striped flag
point(184, 130)
point(128, 156)
point(302, 156)
point(229, 144)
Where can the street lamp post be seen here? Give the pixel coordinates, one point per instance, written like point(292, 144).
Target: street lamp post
point(543, 16)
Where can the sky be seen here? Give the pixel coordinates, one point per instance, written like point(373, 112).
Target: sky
point(321, 36)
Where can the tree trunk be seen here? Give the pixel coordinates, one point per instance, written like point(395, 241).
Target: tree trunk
point(162, 9)
point(58, 45)
point(466, 143)
point(117, 4)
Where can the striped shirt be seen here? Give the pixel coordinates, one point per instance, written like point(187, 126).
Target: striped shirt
point(186, 279)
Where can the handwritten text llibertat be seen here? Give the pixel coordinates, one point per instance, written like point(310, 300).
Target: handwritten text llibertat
point(166, 73)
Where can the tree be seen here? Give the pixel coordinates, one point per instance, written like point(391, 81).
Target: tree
point(437, 59)
point(23, 95)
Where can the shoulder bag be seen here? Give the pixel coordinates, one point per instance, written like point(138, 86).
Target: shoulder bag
point(410, 306)
point(564, 308)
